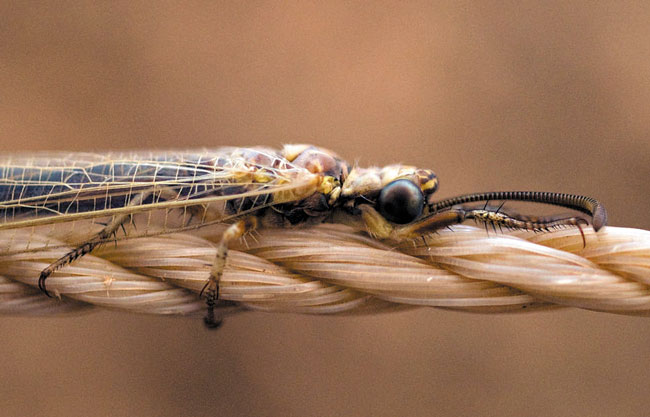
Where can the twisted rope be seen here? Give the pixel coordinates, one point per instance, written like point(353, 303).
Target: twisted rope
point(333, 269)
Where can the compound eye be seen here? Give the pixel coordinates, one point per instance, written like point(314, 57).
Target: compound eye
point(400, 202)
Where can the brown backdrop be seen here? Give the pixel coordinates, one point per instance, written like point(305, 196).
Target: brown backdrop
point(492, 95)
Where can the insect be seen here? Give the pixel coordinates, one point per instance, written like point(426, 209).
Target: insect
point(246, 189)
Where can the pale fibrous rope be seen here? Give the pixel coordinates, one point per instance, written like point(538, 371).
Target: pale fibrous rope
point(333, 269)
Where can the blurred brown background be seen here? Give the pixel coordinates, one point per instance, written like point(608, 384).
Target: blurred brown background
point(492, 95)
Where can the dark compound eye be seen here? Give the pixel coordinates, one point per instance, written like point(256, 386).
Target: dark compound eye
point(400, 202)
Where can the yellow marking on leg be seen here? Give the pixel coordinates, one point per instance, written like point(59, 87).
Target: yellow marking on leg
point(375, 223)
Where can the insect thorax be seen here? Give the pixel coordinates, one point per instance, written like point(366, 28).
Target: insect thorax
point(341, 188)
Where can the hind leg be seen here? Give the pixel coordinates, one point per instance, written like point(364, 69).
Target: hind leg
point(105, 234)
point(109, 230)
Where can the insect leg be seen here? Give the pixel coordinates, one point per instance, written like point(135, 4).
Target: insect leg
point(105, 234)
point(379, 227)
point(488, 217)
point(109, 230)
point(211, 287)
point(535, 224)
point(581, 203)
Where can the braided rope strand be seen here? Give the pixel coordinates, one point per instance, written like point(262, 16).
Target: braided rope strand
point(332, 269)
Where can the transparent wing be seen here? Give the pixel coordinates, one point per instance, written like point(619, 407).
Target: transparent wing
point(49, 188)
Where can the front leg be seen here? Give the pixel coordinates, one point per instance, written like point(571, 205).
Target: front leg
point(379, 227)
point(211, 288)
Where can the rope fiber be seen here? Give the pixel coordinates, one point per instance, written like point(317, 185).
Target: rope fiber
point(332, 269)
